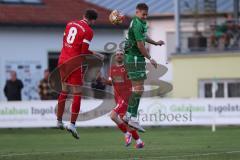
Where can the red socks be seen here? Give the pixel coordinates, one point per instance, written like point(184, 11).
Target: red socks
point(122, 127)
point(134, 134)
point(61, 105)
point(75, 107)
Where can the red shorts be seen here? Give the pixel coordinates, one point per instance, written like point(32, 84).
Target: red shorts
point(121, 107)
point(70, 74)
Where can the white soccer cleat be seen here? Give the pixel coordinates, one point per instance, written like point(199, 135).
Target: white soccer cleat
point(133, 122)
point(72, 129)
point(60, 125)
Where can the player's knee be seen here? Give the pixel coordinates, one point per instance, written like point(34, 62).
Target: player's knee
point(113, 116)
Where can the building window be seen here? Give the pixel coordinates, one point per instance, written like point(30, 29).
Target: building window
point(220, 88)
point(207, 90)
point(234, 89)
point(21, 1)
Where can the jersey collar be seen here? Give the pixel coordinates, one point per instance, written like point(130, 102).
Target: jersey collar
point(119, 65)
point(142, 21)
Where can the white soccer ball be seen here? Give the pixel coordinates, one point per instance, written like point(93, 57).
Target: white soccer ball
point(116, 17)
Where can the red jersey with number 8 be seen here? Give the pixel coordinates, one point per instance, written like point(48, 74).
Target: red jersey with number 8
point(76, 39)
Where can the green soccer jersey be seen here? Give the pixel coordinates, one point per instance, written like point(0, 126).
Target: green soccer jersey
point(137, 32)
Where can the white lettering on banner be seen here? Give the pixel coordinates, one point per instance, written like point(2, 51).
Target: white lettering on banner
point(152, 111)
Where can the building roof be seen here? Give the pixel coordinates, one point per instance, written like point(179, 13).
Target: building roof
point(160, 7)
point(51, 13)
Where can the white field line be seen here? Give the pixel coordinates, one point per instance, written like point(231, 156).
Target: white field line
point(160, 157)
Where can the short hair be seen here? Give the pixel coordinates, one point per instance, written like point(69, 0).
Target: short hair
point(142, 6)
point(119, 51)
point(91, 14)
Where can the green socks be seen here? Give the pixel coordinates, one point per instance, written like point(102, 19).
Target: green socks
point(133, 104)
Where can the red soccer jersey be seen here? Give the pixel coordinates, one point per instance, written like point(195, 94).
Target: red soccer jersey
point(121, 84)
point(76, 39)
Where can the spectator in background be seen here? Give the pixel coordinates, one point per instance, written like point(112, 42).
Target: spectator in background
point(219, 33)
point(45, 92)
point(13, 87)
point(223, 32)
point(98, 85)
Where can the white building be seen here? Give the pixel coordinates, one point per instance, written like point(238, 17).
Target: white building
point(31, 33)
point(31, 37)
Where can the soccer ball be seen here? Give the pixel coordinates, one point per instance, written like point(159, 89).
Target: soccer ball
point(116, 17)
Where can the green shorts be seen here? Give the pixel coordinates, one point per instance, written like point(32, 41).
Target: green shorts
point(135, 66)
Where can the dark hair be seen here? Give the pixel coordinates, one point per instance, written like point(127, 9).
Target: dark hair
point(91, 14)
point(142, 6)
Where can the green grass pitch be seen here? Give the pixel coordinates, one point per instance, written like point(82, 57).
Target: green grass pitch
point(168, 143)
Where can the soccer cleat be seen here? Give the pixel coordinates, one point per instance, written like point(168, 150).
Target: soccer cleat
point(128, 139)
point(72, 129)
point(139, 145)
point(60, 125)
point(133, 122)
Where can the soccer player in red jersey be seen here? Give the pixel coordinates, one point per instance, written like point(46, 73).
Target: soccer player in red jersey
point(76, 40)
point(122, 91)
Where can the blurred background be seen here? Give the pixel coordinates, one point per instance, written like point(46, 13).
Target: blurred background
point(200, 59)
point(201, 51)
point(199, 83)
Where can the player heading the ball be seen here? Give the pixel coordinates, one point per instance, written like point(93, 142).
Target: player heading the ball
point(76, 40)
point(135, 55)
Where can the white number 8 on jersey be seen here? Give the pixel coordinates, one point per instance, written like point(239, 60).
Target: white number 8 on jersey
point(71, 35)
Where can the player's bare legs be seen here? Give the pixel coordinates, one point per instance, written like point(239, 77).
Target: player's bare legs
point(128, 132)
point(122, 126)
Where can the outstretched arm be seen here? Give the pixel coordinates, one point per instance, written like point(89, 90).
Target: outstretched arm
point(86, 43)
point(100, 56)
point(158, 43)
point(143, 50)
point(145, 53)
